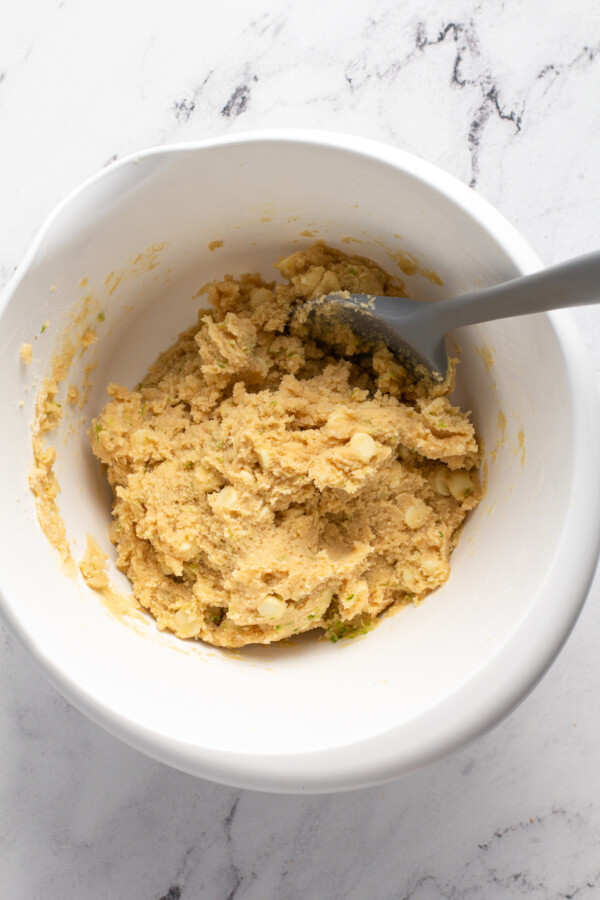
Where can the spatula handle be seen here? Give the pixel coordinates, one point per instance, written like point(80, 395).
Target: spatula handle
point(572, 283)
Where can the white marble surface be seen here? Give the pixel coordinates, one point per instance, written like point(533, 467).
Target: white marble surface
point(505, 96)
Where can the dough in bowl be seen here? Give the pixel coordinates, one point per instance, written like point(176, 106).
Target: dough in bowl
point(266, 483)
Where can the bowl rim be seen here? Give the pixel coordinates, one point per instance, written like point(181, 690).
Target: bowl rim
point(505, 680)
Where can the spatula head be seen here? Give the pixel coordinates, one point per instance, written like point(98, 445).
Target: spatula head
point(397, 322)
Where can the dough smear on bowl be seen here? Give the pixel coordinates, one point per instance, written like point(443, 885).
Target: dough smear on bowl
point(267, 484)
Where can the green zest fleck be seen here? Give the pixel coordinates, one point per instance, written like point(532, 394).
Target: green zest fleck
point(97, 429)
point(188, 465)
point(43, 328)
point(101, 316)
point(221, 365)
point(143, 409)
point(440, 534)
point(277, 627)
point(338, 631)
point(139, 386)
point(311, 616)
point(349, 598)
point(468, 491)
point(353, 272)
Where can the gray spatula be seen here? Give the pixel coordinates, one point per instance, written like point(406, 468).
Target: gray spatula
point(415, 330)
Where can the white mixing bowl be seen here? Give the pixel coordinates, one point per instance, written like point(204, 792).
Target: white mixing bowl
point(311, 716)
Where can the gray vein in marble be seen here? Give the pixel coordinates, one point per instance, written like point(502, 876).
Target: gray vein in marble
point(464, 37)
point(235, 874)
point(273, 25)
point(466, 41)
point(183, 109)
point(239, 99)
point(467, 46)
point(174, 893)
point(519, 826)
point(181, 876)
point(588, 885)
point(424, 888)
point(585, 57)
point(488, 107)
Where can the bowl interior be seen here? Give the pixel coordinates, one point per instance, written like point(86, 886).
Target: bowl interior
point(135, 241)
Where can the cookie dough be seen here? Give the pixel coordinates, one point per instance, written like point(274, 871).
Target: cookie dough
point(266, 484)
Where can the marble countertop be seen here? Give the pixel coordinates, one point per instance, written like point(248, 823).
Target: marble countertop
point(504, 96)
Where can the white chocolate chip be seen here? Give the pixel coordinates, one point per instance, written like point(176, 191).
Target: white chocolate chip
point(312, 278)
point(260, 296)
point(460, 484)
point(329, 283)
point(264, 457)
point(440, 484)
point(182, 618)
point(206, 480)
point(338, 421)
point(363, 446)
point(271, 607)
point(226, 500)
point(434, 567)
point(327, 597)
point(186, 623)
point(416, 515)
point(142, 439)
